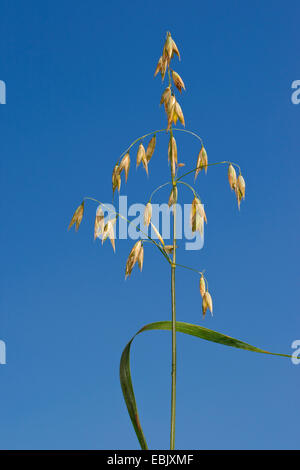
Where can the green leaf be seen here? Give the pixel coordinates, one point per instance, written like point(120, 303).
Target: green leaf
point(187, 328)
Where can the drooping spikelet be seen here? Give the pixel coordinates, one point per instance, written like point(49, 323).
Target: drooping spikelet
point(109, 232)
point(151, 148)
point(202, 286)
point(173, 196)
point(157, 234)
point(172, 154)
point(141, 258)
point(201, 161)
point(197, 216)
point(99, 222)
point(175, 49)
point(125, 165)
point(140, 154)
point(178, 82)
point(133, 258)
point(158, 67)
point(147, 214)
point(240, 189)
point(241, 186)
point(179, 113)
point(77, 217)
point(116, 178)
point(207, 303)
point(165, 96)
point(231, 176)
point(168, 48)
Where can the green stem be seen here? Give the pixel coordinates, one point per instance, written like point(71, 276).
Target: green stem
point(173, 301)
point(209, 164)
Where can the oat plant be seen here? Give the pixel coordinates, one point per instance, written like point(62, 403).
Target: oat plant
point(105, 229)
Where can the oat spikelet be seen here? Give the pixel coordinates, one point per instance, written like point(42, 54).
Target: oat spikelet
point(175, 49)
point(158, 67)
point(198, 206)
point(116, 178)
point(207, 303)
point(179, 113)
point(178, 81)
point(164, 65)
point(201, 161)
point(231, 176)
point(77, 217)
point(165, 96)
point(170, 107)
point(133, 257)
point(241, 186)
point(197, 216)
point(141, 258)
point(147, 214)
point(125, 165)
point(240, 190)
point(109, 232)
point(202, 286)
point(141, 155)
point(172, 149)
point(173, 196)
point(151, 148)
point(99, 222)
point(168, 47)
point(158, 234)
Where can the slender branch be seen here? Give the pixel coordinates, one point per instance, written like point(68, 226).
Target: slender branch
point(158, 188)
point(130, 222)
point(209, 164)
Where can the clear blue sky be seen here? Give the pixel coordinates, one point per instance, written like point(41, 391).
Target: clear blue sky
point(80, 88)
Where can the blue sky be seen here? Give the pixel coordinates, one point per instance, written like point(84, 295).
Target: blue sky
point(80, 89)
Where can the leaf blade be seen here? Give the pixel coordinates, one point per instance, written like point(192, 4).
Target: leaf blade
point(181, 327)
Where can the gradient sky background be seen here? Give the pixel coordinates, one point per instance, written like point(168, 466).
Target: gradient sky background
point(80, 89)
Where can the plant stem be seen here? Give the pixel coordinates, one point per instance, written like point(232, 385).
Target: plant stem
point(173, 394)
point(173, 299)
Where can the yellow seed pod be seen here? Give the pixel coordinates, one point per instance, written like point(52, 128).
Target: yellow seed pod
point(165, 96)
point(179, 113)
point(202, 286)
point(172, 149)
point(164, 65)
point(158, 234)
point(158, 67)
point(201, 161)
point(133, 258)
point(141, 154)
point(151, 148)
point(77, 217)
point(231, 176)
point(207, 303)
point(147, 214)
point(241, 186)
point(145, 163)
point(141, 258)
point(125, 165)
point(175, 49)
point(114, 178)
point(170, 105)
point(109, 232)
point(173, 196)
point(99, 222)
point(168, 47)
point(199, 208)
point(178, 82)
